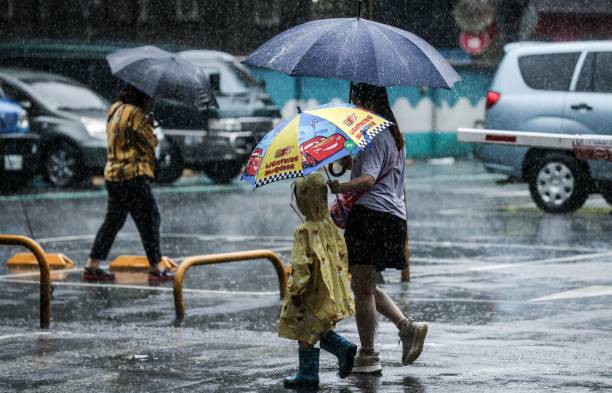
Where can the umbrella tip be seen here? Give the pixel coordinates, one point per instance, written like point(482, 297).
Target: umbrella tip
point(299, 109)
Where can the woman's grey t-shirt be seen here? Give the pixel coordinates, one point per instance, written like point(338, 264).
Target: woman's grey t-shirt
point(382, 158)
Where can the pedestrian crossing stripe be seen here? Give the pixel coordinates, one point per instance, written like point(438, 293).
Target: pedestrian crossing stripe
point(279, 176)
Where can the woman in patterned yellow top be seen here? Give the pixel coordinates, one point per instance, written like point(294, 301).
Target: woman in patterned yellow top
point(130, 167)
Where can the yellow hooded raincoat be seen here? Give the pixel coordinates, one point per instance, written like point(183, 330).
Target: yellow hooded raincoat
point(320, 269)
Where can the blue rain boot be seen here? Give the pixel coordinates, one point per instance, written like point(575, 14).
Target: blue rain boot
point(343, 349)
point(308, 376)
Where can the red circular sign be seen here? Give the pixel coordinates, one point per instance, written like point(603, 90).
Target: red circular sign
point(474, 43)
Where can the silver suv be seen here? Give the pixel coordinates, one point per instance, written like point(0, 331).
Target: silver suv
point(557, 88)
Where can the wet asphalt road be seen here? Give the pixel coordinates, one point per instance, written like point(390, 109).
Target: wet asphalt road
point(516, 300)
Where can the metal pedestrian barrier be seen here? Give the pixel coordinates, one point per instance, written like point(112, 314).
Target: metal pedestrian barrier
point(225, 258)
point(45, 274)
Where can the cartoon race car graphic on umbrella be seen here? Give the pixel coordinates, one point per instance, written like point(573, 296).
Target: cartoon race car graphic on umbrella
point(319, 148)
point(254, 162)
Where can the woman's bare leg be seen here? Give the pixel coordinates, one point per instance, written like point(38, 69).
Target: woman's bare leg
point(363, 284)
point(387, 307)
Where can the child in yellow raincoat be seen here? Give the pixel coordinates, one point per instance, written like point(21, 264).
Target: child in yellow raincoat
point(318, 293)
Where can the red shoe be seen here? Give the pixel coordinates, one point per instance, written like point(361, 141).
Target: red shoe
point(97, 274)
point(161, 276)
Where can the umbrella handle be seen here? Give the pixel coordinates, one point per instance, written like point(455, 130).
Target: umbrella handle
point(327, 173)
point(328, 178)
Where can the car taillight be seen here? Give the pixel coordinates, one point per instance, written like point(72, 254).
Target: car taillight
point(492, 98)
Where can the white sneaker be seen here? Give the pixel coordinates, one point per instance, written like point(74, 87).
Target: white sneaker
point(367, 362)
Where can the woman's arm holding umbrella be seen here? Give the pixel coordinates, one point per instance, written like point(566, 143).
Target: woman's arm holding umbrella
point(358, 184)
point(141, 127)
point(371, 167)
point(144, 127)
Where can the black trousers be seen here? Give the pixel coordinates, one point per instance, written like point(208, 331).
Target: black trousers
point(132, 196)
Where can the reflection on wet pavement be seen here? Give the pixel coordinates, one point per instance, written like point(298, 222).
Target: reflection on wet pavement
point(482, 262)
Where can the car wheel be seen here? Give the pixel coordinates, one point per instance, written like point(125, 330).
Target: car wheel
point(63, 165)
point(223, 172)
point(169, 165)
point(558, 183)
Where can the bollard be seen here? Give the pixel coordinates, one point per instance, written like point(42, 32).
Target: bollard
point(45, 274)
point(225, 258)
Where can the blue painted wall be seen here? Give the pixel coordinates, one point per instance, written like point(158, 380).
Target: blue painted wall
point(428, 117)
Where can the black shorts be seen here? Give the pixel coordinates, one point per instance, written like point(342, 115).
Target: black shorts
point(375, 238)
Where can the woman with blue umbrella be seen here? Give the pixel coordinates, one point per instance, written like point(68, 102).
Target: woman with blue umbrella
point(376, 232)
point(373, 55)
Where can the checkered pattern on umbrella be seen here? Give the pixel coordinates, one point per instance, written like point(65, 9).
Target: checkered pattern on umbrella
point(281, 176)
point(373, 132)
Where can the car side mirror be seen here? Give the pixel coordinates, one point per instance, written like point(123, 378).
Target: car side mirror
point(215, 82)
point(27, 105)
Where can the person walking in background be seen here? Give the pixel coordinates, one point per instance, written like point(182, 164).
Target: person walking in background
point(376, 232)
point(318, 292)
point(130, 167)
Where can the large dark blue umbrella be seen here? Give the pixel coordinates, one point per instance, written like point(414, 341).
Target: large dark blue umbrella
point(357, 50)
point(162, 74)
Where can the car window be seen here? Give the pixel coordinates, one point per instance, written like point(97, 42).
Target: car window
point(14, 93)
point(21, 97)
point(549, 71)
point(596, 73)
point(233, 80)
point(67, 96)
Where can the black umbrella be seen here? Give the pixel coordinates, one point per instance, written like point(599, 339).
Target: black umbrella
point(162, 74)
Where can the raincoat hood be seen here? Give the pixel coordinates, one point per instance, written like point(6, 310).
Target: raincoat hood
point(311, 197)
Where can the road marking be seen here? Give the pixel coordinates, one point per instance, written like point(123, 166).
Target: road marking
point(207, 188)
point(247, 293)
point(179, 260)
point(500, 245)
point(101, 193)
point(279, 250)
point(18, 335)
point(489, 192)
point(147, 288)
point(504, 194)
point(288, 239)
point(591, 291)
point(573, 258)
point(37, 273)
point(229, 238)
point(437, 179)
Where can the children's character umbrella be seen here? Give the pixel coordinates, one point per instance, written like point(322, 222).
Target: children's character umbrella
point(311, 139)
